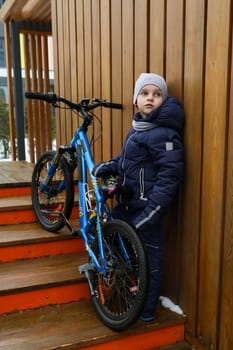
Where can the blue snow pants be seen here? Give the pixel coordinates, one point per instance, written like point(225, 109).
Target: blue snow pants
point(152, 238)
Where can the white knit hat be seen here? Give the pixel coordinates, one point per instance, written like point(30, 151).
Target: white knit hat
point(150, 79)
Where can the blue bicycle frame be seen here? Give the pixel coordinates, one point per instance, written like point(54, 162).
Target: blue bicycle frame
point(87, 221)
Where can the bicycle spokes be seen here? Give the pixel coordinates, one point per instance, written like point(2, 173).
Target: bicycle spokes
point(120, 291)
point(52, 194)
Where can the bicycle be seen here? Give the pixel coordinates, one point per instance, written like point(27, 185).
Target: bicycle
point(117, 271)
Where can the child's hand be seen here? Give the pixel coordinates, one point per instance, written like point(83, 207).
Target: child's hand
point(148, 217)
point(99, 170)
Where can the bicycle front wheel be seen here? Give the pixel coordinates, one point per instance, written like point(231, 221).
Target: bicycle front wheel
point(119, 296)
point(59, 196)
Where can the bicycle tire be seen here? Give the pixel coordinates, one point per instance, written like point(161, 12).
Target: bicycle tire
point(119, 296)
point(46, 204)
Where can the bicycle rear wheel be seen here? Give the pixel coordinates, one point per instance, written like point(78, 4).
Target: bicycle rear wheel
point(58, 198)
point(119, 296)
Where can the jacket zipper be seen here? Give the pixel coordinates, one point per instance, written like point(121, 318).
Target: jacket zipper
point(142, 184)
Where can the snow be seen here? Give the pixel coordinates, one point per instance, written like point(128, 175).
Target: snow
point(168, 304)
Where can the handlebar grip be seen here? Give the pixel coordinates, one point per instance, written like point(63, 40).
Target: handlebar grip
point(50, 97)
point(114, 105)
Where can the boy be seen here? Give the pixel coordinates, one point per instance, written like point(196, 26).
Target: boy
point(150, 166)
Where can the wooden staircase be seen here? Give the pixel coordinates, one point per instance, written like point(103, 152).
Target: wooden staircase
point(44, 301)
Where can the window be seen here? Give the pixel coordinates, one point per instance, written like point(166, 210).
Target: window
point(2, 53)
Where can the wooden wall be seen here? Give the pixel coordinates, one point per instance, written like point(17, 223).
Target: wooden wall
point(100, 49)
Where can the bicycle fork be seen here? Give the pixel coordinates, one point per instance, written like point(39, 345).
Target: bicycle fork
point(53, 167)
point(46, 183)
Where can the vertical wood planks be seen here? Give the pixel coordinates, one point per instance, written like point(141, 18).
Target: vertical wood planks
point(140, 37)
point(38, 113)
point(96, 57)
point(116, 74)
point(29, 102)
point(157, 37)
point(226, 296)
point(193, 100)
point(88, 54)
point(188, 42)
point(88, 63)
point(61, 88)
point(127, 65)
point(67, 68)
point(106, 75)
point(214, 129)
point(174, 78)
point(55, 34)
point(41, 118)
point(48, 126)
point(73, 60)
point(175, 46)
point(80, 47)
point(34, 87)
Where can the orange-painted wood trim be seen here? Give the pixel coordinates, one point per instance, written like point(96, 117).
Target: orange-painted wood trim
point(36, 250)
point(17, 217)
point(75, 212)
point(46, 296)
point(25, 216)
point(15, 191)
point(147, 340)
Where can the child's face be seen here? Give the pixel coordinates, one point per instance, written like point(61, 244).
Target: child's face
point(149, 98)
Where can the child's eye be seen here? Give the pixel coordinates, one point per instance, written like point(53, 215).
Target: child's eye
point(154, 94)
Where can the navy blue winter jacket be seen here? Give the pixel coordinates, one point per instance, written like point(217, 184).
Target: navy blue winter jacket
point(151, 161)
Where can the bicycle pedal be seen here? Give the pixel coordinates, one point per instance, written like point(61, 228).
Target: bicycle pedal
point(86, 268)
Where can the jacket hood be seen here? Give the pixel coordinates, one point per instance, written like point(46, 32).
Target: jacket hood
point(170, 114)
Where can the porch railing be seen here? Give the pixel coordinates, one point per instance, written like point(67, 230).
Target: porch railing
point(28, 55)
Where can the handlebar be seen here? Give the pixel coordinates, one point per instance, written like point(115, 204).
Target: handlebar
point(51, 98)
point(83, 105)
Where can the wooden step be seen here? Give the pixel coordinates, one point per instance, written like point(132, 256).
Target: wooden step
point(15, 178)
point(180, 345)
point(27, 284)
point(76, 326)
point(15, 174)
point(15, 193)
point(26, 241)
point(16, 209)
